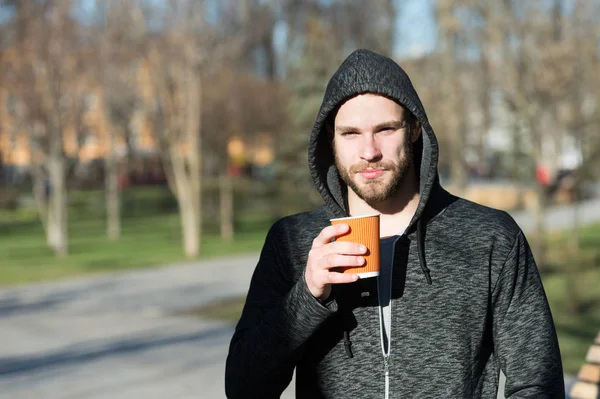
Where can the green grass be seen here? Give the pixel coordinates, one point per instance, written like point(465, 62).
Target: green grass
point(573, 289)
point(145, 241)
point(576, 331)
point(227, 310)
point(151, 233)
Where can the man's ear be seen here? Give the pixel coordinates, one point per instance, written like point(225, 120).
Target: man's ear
point(416, 131)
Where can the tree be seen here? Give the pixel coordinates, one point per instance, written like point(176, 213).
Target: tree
point(244, 107)
point(117, 41)
point(532, 52)
point(176, 122)
point(48, 96)
point(451, 91)
point(176, 57)
point(307, 80)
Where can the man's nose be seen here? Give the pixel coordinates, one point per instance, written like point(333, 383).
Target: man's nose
point(369, 150)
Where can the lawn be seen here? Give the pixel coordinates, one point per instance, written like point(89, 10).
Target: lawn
point(572, 285)
point(145, 241)
point(573, 289)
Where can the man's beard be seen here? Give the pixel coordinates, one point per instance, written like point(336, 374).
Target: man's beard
point(375, 191)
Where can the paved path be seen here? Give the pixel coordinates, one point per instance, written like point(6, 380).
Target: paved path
point(562, 217)
point(116, 336)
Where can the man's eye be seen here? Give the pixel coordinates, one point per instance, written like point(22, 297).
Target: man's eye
point(349, 133)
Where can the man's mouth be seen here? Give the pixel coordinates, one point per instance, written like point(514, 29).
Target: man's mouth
point(371, 173)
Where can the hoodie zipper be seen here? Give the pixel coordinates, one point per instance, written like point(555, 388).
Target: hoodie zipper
point(386, 364)
point(386, 354)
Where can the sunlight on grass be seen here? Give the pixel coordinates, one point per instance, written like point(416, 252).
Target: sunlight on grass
point(572, 285)
point(147, 241)
point(228, 310)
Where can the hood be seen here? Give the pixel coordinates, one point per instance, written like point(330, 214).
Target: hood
point(367, 72)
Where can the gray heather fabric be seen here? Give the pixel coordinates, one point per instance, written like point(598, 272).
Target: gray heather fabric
point(485, 310)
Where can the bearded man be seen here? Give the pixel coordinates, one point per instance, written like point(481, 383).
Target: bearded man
point(458, 297)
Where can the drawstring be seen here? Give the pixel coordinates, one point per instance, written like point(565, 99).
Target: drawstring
point(347, 343)
point(346, 315)
point(421, 250)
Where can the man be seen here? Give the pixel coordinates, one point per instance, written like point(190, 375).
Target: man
point(458, 298)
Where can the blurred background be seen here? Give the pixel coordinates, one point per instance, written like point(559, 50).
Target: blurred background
point(138, 133)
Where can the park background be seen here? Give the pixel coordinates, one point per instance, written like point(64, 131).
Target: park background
point(138, 133)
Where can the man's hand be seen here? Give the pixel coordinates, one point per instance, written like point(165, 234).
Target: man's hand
point(325, 255)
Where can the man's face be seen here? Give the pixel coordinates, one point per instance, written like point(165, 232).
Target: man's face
point(373, 146)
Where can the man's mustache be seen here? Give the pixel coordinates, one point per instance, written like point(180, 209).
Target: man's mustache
point(358, 168)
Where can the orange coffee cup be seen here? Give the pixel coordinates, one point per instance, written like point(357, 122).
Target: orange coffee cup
point(363, 230)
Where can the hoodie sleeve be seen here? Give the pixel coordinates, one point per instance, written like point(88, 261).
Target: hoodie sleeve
point(279, 316)
point(525, 341)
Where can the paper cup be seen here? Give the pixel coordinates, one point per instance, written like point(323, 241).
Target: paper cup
point(363, 230)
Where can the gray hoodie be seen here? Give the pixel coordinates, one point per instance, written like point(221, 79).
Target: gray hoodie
point(466, 300)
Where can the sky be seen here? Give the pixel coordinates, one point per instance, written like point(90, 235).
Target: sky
point(415, 28)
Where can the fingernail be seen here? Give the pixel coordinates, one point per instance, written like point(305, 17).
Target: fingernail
point(363, 248)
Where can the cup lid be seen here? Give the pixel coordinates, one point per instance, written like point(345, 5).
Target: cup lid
point(356, 217)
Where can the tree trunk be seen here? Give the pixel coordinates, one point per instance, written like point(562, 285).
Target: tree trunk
point(541, 197)
point(389, 32)
point(57, 211)
point(458, 173)
point(188, 203)
point(194, 160)
point(574, 236)
point(539, 236)
point(226, 202)
point(486, 87)
point(452, 94)
point(113, 199)
point(181, 145)
point(572, 271)
point(39, 194)
point(189, 223)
